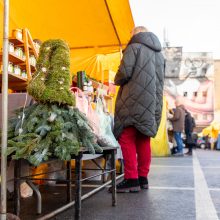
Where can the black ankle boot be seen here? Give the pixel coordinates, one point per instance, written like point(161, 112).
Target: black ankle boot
point(189, 153)
point(127, 185)
point(143, 182)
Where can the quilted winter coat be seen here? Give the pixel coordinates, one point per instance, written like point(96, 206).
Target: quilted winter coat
point(141, 78)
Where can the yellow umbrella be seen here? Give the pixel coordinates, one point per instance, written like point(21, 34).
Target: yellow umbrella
point(212, 130)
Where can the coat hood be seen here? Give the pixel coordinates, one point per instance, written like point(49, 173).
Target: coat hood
point(148, 39)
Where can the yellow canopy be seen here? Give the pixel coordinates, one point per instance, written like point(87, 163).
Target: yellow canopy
point(97, 65)
point(89, 27)
point(83, 24)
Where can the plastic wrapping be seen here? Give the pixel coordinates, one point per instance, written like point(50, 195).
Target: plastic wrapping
point(81, 101)
point(105, 136)
point(26, 190)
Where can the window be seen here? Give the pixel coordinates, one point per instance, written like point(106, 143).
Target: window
point(185, 94)
point(195, 116)
point(204, 117)
point(204, 93)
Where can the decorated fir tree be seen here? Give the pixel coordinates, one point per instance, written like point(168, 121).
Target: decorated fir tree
point(52, 127)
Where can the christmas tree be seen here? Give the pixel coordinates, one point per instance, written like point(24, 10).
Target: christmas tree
point(52, 127)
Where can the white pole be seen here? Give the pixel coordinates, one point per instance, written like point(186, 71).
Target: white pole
point(4, 112)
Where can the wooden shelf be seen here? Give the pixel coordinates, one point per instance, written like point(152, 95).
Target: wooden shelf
point(23, 67)
point(20, 43)
point(22, 46)
point(16, 41)
point(13, 58)
point(15, 78)
point(15, 82)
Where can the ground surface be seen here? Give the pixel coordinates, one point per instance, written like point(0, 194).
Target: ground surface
point(184, 188)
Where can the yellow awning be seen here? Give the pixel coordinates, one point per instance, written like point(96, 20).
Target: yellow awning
point(97, 65)
point(89, 27)
point(83, 24)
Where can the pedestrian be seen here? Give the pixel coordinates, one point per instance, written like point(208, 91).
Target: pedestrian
point(178, 122)
point(138, 106)
point(172, 142)
point(189, 126)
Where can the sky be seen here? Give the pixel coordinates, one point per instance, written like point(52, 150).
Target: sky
point(192, 24)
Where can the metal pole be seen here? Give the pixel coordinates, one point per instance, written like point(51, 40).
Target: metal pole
point(17, 181)
point(39, 198)
point(78, 186)
point(4, 112)
point(113, 166)
point(69, 181)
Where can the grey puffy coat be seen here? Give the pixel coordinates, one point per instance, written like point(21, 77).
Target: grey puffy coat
point(141, 78)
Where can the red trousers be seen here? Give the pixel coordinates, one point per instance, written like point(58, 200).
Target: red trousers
point(136, 153)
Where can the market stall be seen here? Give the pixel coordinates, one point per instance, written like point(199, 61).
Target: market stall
point(96, 32)
point(74, 22)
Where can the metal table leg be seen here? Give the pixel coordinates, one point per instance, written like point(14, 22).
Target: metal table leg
point(69, 181)
point(17, 173)
point(121, 166)
point(78, 193)
point(38, 194)
point(105, 164)
point(113, 175)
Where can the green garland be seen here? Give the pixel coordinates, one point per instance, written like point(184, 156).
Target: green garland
point(52, 127)
point(49, 130)
point(51, 82)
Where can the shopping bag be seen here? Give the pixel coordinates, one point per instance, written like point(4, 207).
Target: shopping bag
point(93, 119)
point(105, 137)
point(81, 100)
point(26, 190)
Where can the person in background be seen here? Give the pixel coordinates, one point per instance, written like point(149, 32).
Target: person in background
point(138, 106)
point(178, 122)
point(189, 126)
point(172, 142)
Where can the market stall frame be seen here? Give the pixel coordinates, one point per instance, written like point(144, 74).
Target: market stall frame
point(4, 112)
point(78, 184)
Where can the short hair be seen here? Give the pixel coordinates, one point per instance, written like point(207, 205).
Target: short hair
point(139, 29)
point(178, 101)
